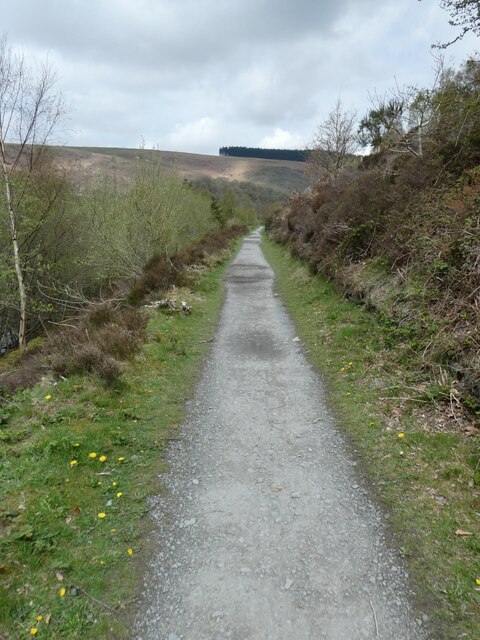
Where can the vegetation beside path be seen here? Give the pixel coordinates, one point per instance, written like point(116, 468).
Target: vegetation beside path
point(423, 460)
point(78, 460)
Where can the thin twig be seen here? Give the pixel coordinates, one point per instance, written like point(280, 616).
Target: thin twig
point(375, 618)
point(102, 604)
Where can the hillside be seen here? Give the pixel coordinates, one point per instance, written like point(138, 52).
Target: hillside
point(87, 164)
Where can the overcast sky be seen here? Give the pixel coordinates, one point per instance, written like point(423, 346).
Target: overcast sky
point(194, 75)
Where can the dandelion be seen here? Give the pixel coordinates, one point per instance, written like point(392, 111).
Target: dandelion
point(92, 455)
point(130, 551)
point(76, 444)
point(101, 515)
point(477, 581)
point(114, 484)
point(47, 397)
point(350, 364)
point(401, 435)
point(112, 530)
point(33, 631)
point(62, 592)
point(121, 459)
point(342, 369)
point(39, 618)
point(102, 562)
point(102, 458)
point(119, 494)
point(73, 463)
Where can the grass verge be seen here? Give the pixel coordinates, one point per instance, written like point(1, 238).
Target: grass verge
point(77, 462)
point(421, 466)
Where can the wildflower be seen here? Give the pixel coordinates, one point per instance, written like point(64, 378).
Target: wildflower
point(350, 364)
point(73, 463)
point(39, 618)
point(478, 582)
point(401, 435)
point(33, 631)
point(114, 484)
point(76, 444)
point(121, 459)
point(342, 369)
point(102, 561)
point(47, 397)
point(92, 455)
point(130, 551)
point(102, 458)
point(101, 515)
point(62, 592)
point(112, 530)
point(119, 494)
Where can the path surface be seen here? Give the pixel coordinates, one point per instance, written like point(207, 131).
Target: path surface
point(266, 532)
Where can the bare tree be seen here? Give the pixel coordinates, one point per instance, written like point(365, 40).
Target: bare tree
point(29, 112)
point(464, 14)
point(334, 143)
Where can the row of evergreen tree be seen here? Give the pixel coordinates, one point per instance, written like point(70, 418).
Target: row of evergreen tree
point(296, 155)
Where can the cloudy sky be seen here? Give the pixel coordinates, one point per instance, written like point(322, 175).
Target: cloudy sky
point(194, 75)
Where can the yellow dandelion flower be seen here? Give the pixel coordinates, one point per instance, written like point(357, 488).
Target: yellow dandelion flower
point(121, 459)
point(350, 364)
point(119, 494)
point(401, 435)
point(114, 484)
point(76, 444)
point(101, 515)
point(112, 530)
point(478, 582)
point(48, 397)
point(102, 561)
point(62, 592)
point(73, 463)
point(39, 618)
point(130, 551)
point(92, 455)
point(342, 369)
point(33, 631)
point(102, 458)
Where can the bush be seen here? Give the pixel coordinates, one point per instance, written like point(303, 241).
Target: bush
point(103, 336)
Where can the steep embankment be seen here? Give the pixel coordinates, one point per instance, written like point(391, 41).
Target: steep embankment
point(408, 249)
point(401, 233)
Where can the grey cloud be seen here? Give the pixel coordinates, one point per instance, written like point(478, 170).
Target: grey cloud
point(203, 73)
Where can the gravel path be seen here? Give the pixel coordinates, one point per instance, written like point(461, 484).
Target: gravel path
point(266, 531)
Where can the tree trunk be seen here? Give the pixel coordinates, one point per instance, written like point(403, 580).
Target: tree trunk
point(22, 342)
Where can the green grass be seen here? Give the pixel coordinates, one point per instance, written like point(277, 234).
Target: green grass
point(428, 478)
point(52, 490)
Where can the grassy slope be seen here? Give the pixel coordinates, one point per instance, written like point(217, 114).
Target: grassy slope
point(52, 491)
point(425, 474)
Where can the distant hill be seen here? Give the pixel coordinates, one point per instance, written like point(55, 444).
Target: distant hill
point(86, 165)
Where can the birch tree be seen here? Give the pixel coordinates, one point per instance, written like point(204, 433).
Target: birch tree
point(29, 111)
point(334, 143)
